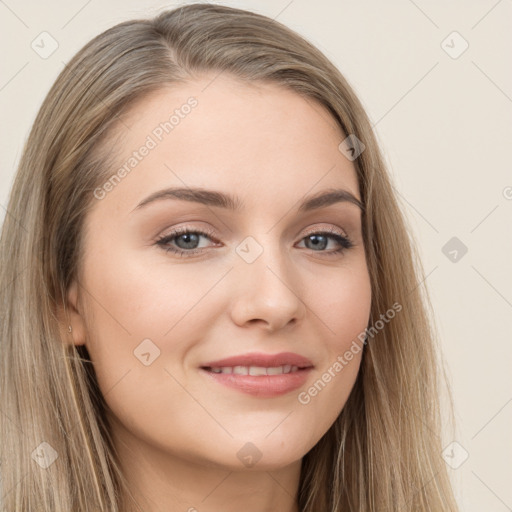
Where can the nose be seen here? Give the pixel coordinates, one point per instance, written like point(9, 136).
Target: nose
point(267, 292)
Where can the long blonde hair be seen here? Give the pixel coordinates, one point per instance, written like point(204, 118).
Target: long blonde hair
point(384, 450)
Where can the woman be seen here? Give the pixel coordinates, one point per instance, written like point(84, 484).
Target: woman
point(209, 296)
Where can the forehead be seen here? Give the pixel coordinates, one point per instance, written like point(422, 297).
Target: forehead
point(252, 139)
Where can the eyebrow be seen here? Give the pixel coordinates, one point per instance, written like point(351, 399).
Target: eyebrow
point(233, 203)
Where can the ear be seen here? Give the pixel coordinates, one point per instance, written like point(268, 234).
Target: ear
point(70, 315)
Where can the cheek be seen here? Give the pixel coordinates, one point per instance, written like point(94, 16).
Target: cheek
point(342, 303)
point(139, 301)
point(134, 309)
point(344, 309)
point(141, 322)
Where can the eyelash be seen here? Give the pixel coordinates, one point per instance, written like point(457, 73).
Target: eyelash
point(163, 242)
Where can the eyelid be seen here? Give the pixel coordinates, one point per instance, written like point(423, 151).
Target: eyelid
point(189, 229)
point(329, 229)
point(211, 232)
point(343, 240)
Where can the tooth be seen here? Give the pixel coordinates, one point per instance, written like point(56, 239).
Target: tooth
point(257, 370)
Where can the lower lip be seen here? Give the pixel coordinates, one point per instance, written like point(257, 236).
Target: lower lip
point(264, 386)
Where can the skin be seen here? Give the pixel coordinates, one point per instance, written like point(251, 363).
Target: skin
point(177, 432)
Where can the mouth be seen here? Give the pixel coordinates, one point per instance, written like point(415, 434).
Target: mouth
point(260, 375)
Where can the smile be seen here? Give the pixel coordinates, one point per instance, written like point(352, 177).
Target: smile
point(255, 370)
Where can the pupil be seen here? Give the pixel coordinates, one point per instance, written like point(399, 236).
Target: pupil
point(189, 238)
point(316, 239)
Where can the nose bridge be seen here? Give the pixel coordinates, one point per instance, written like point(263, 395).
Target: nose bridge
point(263, 255)
point(267, 287)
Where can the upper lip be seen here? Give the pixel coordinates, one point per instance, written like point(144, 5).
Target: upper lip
point(263, 360)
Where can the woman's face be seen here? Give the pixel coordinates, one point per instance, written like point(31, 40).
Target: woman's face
point(272, 274)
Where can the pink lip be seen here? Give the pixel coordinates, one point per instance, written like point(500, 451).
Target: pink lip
point(263, 386)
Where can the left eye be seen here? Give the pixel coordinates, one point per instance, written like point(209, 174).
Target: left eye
point(187, 242)
point(321, 240)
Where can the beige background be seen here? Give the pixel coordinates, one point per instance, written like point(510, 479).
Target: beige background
point(444, 121)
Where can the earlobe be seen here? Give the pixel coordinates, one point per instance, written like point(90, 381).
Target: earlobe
point(71, 321)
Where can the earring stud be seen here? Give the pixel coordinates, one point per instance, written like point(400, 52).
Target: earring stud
point(69, 328)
